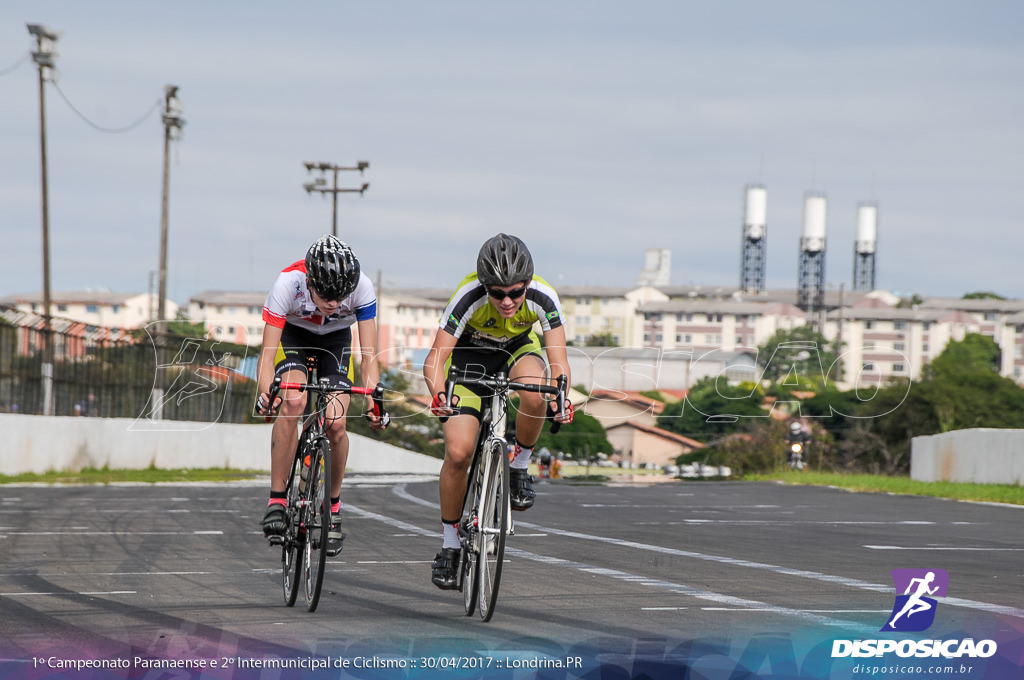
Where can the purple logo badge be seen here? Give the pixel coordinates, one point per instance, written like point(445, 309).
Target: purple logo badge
point(914, 609)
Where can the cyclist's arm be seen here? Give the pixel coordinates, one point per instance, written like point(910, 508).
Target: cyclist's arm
point(558, 360)
point(558, 357)
point(368, 366)
point(437, 356)
point(265, 365)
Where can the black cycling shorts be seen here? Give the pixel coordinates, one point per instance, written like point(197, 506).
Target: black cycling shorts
point(485, 361)
point(333, 353)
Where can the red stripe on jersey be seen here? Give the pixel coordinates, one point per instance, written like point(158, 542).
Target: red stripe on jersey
point(299, 266)
point(273, 319)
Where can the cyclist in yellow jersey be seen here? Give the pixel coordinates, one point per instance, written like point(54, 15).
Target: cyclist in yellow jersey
point(488, 325)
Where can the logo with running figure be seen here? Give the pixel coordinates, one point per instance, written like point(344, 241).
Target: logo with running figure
point(914, 609)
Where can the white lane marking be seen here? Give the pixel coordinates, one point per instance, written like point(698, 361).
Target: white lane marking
point(115, 533)
point(965, 548)
point(786, 571)
point(783, 522)
point(616, 574)
point(105, 592)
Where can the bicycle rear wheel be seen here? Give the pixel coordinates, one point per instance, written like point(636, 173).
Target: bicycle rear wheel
point(292, 550)
point(318, 522)
point(493, 528)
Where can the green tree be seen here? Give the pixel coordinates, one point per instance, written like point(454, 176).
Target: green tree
point(601, 340)
point(797, 358)
point(584, 434)
point(713, 408)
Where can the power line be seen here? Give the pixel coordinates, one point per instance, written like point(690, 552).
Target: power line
point(10, 69)
point(156, 106)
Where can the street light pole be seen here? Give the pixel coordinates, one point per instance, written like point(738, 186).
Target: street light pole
point(45, 56)
point(319, 185)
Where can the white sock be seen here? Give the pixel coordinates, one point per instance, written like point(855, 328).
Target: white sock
point(522, 458)
point(451, 535)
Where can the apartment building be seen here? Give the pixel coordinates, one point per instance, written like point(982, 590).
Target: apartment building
point(406, 321)
point(883, 343)
point(715, 325)
point(94, 307)
point(229, 316)
point(594, 311)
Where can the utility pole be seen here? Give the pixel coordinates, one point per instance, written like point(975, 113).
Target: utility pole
point(319, 185)
point(45, 56)
point(173, 122)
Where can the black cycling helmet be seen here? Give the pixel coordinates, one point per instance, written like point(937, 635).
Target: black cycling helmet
point(503, 261)
point(332, 268)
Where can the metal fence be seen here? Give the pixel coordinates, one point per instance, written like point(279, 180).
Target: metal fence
point(110, 373)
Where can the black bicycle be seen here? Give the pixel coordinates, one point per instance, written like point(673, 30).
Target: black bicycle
point(308, 514)
point(487, 513)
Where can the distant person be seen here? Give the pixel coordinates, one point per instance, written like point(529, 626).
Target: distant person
point(310, 311)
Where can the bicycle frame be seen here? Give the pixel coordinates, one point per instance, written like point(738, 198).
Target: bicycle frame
point(308, 509)
point(487, 513)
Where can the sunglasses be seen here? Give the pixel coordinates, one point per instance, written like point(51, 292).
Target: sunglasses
point(510, 294)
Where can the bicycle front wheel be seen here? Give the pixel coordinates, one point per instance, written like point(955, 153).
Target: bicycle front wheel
point(494, 511)
point(470, 525)
point(318, 522)
point(292, 550)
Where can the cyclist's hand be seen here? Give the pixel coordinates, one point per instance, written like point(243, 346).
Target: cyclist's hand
point(439, 406)
point(555, 417)
point(378, 420)
point(263, 404)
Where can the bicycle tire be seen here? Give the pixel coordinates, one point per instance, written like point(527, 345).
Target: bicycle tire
point(292, 550)
point(470, 525)
point(493, 527)
point(318, 521)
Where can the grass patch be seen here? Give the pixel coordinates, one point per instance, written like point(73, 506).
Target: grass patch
point(992, 493)
point(151, 475)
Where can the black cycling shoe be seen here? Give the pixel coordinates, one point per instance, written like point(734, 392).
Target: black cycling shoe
point(521, 493)
point(444, 570)
point(274, 522)
point(335, 537)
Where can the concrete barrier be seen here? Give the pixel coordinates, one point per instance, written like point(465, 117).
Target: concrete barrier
point(981, 455)
point(43, 444)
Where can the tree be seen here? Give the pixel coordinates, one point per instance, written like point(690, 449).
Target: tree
point(601, 340)
point(712, 407)
point(797, 358)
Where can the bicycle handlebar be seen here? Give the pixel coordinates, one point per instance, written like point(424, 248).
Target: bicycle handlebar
point(376, 394)
point(500, 383)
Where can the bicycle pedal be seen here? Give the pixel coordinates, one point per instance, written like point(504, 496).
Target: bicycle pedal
point(275, 540)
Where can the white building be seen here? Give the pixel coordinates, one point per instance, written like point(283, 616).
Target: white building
point(95, 307)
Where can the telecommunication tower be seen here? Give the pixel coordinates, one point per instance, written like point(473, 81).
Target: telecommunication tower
point(755, 240)
point(811, 278)
point(865, 246)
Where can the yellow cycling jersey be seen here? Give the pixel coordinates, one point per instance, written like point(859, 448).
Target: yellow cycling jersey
point(472, 318)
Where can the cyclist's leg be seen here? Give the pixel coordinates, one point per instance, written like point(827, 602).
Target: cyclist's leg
point(336, 362)
point(460, 433)
point(528, 367)
point(290, 366)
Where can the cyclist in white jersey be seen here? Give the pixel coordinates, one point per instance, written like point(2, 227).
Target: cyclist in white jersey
point(310, 311)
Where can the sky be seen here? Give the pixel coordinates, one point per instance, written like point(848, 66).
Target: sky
point(594, 130)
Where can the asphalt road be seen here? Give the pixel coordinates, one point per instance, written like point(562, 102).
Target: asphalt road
point(598, 573)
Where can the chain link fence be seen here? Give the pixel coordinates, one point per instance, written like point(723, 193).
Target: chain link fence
point(110, 373)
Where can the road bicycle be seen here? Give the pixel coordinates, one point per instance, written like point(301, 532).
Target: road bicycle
point(308, 513)
point(487, 513)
